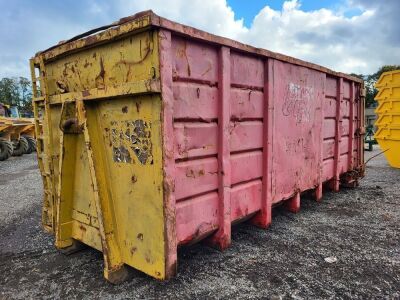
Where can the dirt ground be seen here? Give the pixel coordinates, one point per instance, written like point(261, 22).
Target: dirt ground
point(359, 227)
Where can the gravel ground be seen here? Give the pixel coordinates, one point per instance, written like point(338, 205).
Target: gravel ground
point(359, 227)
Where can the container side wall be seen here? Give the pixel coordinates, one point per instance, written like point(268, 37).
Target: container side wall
point(298, 100)
point(247, 134)
point(349, 119)
point(329, 109)
point(197, 133)
point(291, 129)
point(196, 110)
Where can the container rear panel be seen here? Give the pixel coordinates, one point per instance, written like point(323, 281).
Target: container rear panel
point(115, 154)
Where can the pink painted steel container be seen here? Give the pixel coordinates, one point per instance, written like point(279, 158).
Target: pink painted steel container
point(243, 129)
point(252, 129)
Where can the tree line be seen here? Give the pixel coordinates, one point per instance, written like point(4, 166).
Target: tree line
point(17, 91)
point(370, 81)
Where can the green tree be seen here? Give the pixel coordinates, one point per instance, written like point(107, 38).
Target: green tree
point(370, 81)
point(25, 95)
point(16, 91)
point(9, 91)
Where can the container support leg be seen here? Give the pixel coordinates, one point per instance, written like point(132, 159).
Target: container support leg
point(334, 184)
point(293, 204)
point(318, 192)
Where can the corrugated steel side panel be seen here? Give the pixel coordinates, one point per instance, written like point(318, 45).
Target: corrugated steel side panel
point(291, 129)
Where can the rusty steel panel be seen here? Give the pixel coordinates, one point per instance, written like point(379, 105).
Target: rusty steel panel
point(157, 135)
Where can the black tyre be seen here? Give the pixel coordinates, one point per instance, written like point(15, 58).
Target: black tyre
point(31, 142)
point(21, 146)
point(6, 149)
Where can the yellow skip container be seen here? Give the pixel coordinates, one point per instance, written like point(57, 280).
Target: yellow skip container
point(388, 111)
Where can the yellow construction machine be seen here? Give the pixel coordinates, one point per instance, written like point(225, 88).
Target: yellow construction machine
point(17, 135)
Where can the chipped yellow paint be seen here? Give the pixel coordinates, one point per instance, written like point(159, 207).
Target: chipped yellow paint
point(128, 60)
point(135, 188)
point(13, 128)
point(131, 88)
point(104, 108)
point(44, 136)
point(109, 34)
point(6, 126)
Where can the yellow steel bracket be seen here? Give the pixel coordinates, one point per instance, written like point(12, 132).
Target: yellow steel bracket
point(114, 269)
point(64, 201)
point(73, 122)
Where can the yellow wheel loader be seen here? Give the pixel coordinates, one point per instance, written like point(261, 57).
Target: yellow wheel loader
point(6, 146)
point(15, 131)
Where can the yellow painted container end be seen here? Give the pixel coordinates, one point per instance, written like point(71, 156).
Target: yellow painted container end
point(106, 195)
point(388, 111)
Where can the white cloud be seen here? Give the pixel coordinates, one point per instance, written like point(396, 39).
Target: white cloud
point(321, 36)
point(213, 16)
point(359, 44)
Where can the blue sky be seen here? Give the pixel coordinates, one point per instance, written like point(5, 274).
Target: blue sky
point(249, 9)
point(345, 35)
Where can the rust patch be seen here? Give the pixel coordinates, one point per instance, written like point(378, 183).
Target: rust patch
point(147, 257)
point(133, 138)
point(68, 121)
point(91, 40)
point(125, 109)
point(181, 52)
point(140, 236)
point(121, 154)
point(100, 77)
point(193, 174)
point(61, 87)
point(207, 70)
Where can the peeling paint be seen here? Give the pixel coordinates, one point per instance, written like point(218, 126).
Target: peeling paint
point(121, 154)
point(131, 138)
